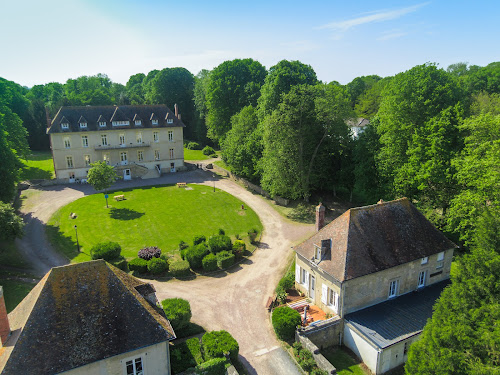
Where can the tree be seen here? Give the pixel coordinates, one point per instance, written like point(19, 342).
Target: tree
point(11, 225)
point(8, 167)
point(200, 92)
point(101, 176)
point(360, 85)
point(368, 102)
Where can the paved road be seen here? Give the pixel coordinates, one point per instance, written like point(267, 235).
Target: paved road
point(232, 300)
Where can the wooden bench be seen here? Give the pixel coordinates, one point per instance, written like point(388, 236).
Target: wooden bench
point(181, 184)
point(270, 303)
point(119, 197)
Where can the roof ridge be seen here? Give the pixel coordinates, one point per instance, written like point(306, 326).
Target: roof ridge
point(347, 244)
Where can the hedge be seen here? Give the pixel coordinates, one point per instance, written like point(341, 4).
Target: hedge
point(195, 254)
point(216, 366)
point(179, 268)
point(157, 266)
point(138, 265)
point(194, 347)
point(105, 250)
point(225, 259)
point(210, 262)
point(219, 243)
point(120, 263)
point(177, 311)
point(207, 150)
point(287, 281)
point(216, 343)
point(252, 234)
point(149, 252)
point(181, 358)
point(199, 239)
point(239, 248)
point(285, 321)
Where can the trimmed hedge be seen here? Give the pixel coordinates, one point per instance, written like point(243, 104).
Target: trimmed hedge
point(194, 255)
point(252, 234)
point(219, 243)
point(181, 358)
point(215, 366)
point(194, 347)
point(239, 248)
point(149, 253)
point(199, 239)
point(138, 265)
point(285, 321)
point(209, 263)
point(120, 263)
point(216, 343)
point(177, 311)
point(157, 266)
point(225, 259)
point(179, 268)
point(207, 150)
point(105, 250)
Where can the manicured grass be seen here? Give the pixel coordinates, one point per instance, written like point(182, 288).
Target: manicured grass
point(194, 155)
point(38, 166)
point(14, 291)
point(156, 216)
point(343, 362)
point(221, 164)
point(9, 256)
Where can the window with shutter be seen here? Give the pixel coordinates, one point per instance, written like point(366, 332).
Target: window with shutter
point(324, 294)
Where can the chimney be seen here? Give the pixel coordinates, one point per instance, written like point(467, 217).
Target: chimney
point(4, 319)
point(320, 216)
point(176, 108)
point(380, 201)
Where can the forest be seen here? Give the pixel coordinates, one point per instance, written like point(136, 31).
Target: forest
point(434, 137)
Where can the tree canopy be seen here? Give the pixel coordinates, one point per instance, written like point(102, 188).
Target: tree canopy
point(11, 225)
point(101, 176)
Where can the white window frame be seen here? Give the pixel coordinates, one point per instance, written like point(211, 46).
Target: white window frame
point(421, 279)
point(102, 124)
point(440, 260)
point(133, 362)
point(170, 136)
point(121, 139)
point(83, 125)
point(170, 121)
point(139, 137)
point(157, 154)
point(304, 276)
point(140, 155)
point(156, 136)
point(138, 122)
point(86, 160)
point(104, 139)
point(425, 260)
point(67, 142)
point(69, 162)
point(120, 123)
point(171, 153)
point(85, 141)
point(64, 125)
point(154, 122)
point(393, 288)
point(106, 159)
point(317, 252)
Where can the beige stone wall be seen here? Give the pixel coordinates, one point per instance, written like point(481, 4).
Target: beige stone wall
point(372, 289)
point(155, 359)
point(97, 153)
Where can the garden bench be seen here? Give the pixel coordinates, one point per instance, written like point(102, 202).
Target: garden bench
point(119, 197)
point(181, 184)
point(270, 303)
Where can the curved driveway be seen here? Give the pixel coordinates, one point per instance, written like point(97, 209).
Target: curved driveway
point(233, 300)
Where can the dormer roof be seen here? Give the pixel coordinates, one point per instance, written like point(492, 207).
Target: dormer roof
point(118, 115)
point(101, 119)
point(64, 120)
point(153, 117)
point(82, 120)
point(137, 117)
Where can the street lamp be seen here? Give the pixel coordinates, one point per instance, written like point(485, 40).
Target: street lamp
point(77, 244)
point(214, 182)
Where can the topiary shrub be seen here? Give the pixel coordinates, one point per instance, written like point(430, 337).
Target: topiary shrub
point(252, 234)
point(225, 259)
point(222, 232)
point(179, 268)
point(207, 150)
point(157, 266)
point(120, 263)
point(209, 262)
point(148, 253)
point(105, 250)
point(239, 248)
point(215, 366)
point(138, 265)
point(216, 343)
point(219, 243)
point(183, 245)
point(195, 254)
point(199, 239)
point(285, 320)
point(193, 146)
point(194, 347)
point(177, 311)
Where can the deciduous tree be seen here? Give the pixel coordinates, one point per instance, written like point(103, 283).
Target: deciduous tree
point(11, 225)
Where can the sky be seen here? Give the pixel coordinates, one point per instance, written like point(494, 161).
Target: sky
point(54, 40)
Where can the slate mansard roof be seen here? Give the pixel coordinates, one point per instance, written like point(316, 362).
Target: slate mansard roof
point(95, 114)
point(79, 314)
point(373, 238)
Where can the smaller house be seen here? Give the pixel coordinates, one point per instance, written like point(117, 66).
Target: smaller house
point(358, 126)
point(87, 318)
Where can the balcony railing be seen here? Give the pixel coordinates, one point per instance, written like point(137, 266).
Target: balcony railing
point(125, 145)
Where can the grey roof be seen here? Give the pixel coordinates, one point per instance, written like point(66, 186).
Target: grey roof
point(79, 314)
point(94, 114)
point(395, 320)
point(360, 121)
point(373, 238)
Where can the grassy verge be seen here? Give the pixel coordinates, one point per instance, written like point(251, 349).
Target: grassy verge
point(343, 362)
point(38, 166)
point(155, 216)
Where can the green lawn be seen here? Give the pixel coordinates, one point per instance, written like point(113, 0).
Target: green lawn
point(194, 155)
point(343, 362)
point(38, 165)
point(155, 216)
point(14, 291)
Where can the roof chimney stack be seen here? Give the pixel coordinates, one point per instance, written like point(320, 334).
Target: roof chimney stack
point(176, 108)
point(4, 319)
point(320, 216)
point(380, 201)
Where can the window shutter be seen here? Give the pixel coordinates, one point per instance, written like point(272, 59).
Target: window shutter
point(336, 306)
point(324, 294)
point(306, 281)
point(297, 274)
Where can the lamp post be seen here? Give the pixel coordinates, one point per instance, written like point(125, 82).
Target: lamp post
point(77, 244)
point(214, 182)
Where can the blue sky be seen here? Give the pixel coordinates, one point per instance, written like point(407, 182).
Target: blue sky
point(53, 40)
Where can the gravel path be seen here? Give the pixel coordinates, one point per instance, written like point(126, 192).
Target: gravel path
point(233, 300)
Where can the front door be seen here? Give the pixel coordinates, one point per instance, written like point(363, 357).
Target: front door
point(172, 167)
point(312, 286)
point(126, 174)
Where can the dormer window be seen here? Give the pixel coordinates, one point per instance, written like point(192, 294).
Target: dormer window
point(317, 253)
point(138, 122)
point(83, 125)
point(102, 124)
point(121, 123)
point(170, 121)
point(64, 126)
point(154, 122)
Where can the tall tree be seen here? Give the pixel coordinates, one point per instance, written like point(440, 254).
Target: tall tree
point(134, 89)
point(200, 103)
point(8, 167)
point(360, 85)
point(11, 225)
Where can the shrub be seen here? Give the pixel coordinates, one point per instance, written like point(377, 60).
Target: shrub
point(216, 343)
point(157, 266)
point(222, 232)
point(139, 265)
point(195, 254)
point(149, 252)
point(181, 358)
point(285, 320)
point(252, 234)
point(207, 150)
point(179, 268)
point(209, 262)
point(287, 281)
point(239, 248)
point(219, 243)
point(183, 245)
point(193, 146)
point(105, 250)
point(120, 263)
point(194, 347)
point(177, 311)
point(199, 239)
point(225, 259)
point(215, 366)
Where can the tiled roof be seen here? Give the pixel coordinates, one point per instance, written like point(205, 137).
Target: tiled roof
point(390, 322)
point(79, 314)
point(373, 238)
point(95, 114)
point(360, 122)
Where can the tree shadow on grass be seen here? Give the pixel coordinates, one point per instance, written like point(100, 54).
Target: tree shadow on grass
point(34, 173)
point(124, 214)
point(62, 243)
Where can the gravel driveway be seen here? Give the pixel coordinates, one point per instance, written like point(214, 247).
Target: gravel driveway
point(233, 300)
